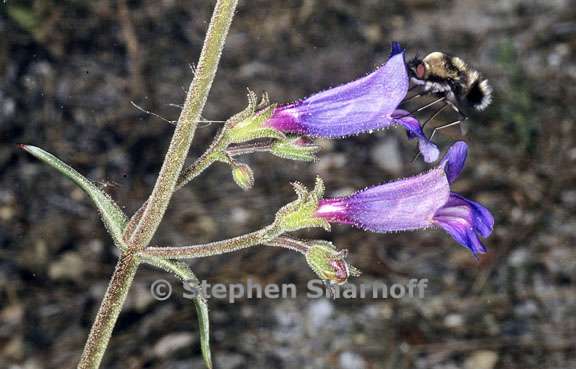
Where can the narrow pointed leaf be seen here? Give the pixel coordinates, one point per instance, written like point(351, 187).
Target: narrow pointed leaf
point(204, 326)
point(112, 216)
point(182, 271)
point(115, 220)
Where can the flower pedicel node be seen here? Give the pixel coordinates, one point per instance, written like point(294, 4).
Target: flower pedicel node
point(364, 105)
point(417, 202)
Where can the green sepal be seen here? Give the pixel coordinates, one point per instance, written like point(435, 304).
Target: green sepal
point(300, 213)
point(251, 128)
point(293, 149)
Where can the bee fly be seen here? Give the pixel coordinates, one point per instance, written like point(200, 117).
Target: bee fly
point(454, 82)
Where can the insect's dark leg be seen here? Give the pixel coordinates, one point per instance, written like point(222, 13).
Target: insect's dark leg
point(413, 97)
point(434, 115)
point(428, 105)
point(422, 107)
point(459, 121)
point(438, 111)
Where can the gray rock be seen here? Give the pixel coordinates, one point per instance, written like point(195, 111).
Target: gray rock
point(482, 359)
point(171, 343)
point(387, 155)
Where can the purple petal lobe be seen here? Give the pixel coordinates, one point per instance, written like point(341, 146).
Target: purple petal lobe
point(396, 49)
point(428, 150)
point(363, 105)
point(482, 219)
point(465, 220)
point(454, 160)
point(406, 204)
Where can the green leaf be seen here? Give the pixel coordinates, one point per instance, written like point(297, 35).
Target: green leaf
point(112, 216)
point(182, 271)
point(115, 221)
point(204, 325)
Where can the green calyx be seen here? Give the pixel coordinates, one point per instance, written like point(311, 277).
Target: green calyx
point(301, 213)
point(248, 125)
point(295, 149)
point(328, 263)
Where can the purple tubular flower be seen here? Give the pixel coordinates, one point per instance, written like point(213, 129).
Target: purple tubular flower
point(417, 202)
point(363, 105)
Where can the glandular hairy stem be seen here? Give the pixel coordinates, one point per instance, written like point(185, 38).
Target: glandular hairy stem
point(214, 248)
point(157, 203)
point(109, 310)
point(186, 126)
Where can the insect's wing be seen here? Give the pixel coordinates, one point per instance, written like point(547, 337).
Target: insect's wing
point(464, 127)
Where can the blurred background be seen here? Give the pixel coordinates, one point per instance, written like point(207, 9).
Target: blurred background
point(68, 73)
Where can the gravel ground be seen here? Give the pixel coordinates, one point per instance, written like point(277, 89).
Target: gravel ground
point(68, 72)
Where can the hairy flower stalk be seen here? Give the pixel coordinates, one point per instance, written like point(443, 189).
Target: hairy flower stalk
point(418, 202)
point(364, 105)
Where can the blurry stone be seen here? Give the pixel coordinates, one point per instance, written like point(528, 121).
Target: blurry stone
point(13, 349)
point(526, 309)
point(319, 313)
point(518, 257)
point(351, 360)
point(96, 246)
point(229, 361)
point(77, 194)
point(252, 69)
point(6, 213)
point(372, 33)
point(139, 298)
point(483, 359)
point(69, 266)
point(387, 155)
point(330, 161)
point(239, 215)
point(31, 364)
point(454, 320)
point(569, 197)
point(171, 343)
point(342, 192)
point(12, 314)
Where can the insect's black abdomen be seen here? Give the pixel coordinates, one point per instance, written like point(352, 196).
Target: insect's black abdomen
point(476, 96)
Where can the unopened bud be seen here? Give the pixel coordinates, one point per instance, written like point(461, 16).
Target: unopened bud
point(243, 176)
point(328, 263)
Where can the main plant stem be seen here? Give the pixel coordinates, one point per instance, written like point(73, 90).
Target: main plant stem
point(186, 126)
point(109, 310)
point(157, 203)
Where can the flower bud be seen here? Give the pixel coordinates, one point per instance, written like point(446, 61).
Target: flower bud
point(328, 263)
point(243, 176)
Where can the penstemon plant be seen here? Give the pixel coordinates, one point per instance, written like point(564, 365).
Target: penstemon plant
point(287, 131)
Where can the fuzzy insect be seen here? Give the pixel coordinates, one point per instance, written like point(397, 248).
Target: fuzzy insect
point(454, 82)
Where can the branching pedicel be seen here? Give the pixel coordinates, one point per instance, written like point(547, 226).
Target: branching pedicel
point(364, 105)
